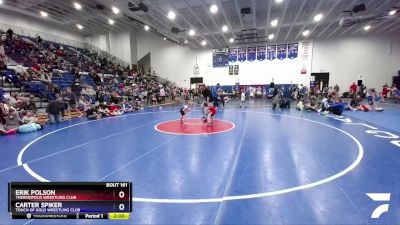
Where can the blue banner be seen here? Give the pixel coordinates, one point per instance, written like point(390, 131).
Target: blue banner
point(251, 53)
point(293, 50)
point(282, 51)
point(233, 55)
point(261, 52)
point(241, 54)
point(271, 52)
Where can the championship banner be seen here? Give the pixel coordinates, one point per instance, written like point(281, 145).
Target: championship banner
point(241, 54)
point(251, 54)
point(261, 52)
point(236, 70)
point(233, 55)
point(271, 52)
point(293, 50)
point(282, 51)
point(230, 70)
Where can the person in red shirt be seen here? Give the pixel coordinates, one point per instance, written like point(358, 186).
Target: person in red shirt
point(385, 91)
point(353, 88)
point(114, 109)
point(211, 111)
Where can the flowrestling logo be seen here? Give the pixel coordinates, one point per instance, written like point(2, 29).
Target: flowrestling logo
point(381, 209)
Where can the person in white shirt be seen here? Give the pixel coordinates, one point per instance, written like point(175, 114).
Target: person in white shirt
point(243, 100)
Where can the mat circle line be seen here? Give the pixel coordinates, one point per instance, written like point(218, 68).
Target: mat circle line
point(226, 198)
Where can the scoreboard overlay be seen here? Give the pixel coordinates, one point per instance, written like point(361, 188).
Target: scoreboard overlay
point(70, 200)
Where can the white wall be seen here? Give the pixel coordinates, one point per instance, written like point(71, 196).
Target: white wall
point(376, 58)
point(169, 60)
point(120, 45)
point(31, 26)
point(257, 72)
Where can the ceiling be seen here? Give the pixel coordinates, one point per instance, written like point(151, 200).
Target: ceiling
point(294, 17)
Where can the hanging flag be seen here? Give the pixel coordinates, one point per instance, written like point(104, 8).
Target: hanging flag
point(251, 53)
point(261, 51)
point(236, 70)
point(293, 50)
point(241, 54)
point(271, 52)
point(233, 55)
point(282, 51)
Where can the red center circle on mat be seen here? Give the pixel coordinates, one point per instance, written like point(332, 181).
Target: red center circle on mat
point(194, 127)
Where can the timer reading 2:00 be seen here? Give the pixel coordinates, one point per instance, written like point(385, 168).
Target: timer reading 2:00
point(118, 216)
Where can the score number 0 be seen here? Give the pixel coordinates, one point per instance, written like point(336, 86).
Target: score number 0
point(121, 206)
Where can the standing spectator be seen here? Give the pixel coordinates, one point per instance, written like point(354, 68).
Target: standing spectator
point(55, 110)
point(9, 34)
point(39, 42)
point(353, 89)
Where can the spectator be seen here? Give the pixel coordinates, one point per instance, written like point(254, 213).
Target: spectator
point(353, 89)
point(55, 110)
point(29, 118)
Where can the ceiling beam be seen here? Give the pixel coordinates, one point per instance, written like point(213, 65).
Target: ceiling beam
point(201, 22)
point(191, 25)
point(213, 21)
point(268, 16)
point(219, 3)
point(351, 4)
point(125, 26)
point(295, 18)
point(85, 10)
point(369, 14)
point(394, 29)
point(387, 27)
point(311, 18)
point(157, 11)
point(253, 6)
point(282, 18)
point(332, 8)
point(198, 44)
point(239, 14)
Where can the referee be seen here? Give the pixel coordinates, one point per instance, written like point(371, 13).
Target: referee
point(207, 96)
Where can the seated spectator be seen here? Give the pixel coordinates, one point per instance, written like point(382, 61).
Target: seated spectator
point(12, 120)
point(93, 114)
point(126, 106)
point(114, 110)
point(356, 104)
point(29, 118)
point(30, 105)
point(55, 110)
point(83, 104)
point(336, 108)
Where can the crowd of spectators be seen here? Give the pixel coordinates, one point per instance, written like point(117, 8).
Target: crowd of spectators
point(116, 89)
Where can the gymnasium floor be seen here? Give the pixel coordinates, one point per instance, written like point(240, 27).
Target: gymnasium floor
point(255, 166)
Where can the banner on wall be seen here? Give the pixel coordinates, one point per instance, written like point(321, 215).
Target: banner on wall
point(251, 53)
point(271, 52)
point(233, 55)
point(230, 70)
point(241, 54)
point(282, 51)
point(236, 70)
point(261, 52)
point(293, 50)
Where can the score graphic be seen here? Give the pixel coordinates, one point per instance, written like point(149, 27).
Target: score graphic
point(70, 200)
point(221, 57)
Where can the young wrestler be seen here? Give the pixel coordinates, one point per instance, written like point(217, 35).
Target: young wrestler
point(184, 110)
point(210, 113)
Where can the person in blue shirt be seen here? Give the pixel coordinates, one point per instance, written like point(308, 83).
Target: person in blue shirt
point(337, 108)
point(30, 127)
